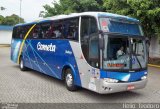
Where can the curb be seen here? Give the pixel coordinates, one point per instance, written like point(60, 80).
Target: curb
point(4, 46)
point(152, 65)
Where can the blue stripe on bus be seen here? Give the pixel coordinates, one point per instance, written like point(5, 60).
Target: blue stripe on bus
point(122, 76)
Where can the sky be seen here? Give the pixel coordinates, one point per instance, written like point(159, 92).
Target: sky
point(30, 8)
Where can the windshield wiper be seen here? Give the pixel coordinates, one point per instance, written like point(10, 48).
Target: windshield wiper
point(138, 60)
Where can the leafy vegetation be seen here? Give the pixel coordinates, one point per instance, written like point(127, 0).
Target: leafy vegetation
point(10, 20)
point(71, 6)
point(147, 11)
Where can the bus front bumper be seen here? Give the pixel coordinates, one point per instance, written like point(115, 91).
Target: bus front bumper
point(106, 88)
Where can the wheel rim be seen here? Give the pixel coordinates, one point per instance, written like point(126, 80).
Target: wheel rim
point(69, 80)
point(21, 64)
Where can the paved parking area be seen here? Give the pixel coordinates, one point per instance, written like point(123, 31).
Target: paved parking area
point(32, 87)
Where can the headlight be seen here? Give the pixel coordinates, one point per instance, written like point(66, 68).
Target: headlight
point(109, 80)
point(143, 77)
point(145, 73)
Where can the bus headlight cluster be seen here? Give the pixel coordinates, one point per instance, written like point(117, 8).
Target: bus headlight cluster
point(109, 80)
point(145, 73)
point(143, 77)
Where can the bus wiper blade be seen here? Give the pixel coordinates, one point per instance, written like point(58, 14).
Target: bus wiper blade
point(138, 61)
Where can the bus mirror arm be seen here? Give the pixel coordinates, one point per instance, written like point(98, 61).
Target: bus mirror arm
point(101, 39)
point(101, 43)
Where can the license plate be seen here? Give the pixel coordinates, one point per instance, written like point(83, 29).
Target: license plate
point(130, 87)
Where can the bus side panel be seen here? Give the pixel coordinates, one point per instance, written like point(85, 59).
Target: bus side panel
point(48, 61)
point(29, 55)
point(15, 46)
point(37, 60)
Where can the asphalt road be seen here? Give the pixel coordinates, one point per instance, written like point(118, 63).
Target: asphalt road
point(32, 87)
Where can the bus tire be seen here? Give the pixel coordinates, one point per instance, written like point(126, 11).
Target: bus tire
point(21, 65)
point(69, 80)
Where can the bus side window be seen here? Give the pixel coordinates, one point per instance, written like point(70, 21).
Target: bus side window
point(45, 29)
point(34, 32)
point(24, 30)
point(21, 32)
point(70, 28)
point(19, 35)
point(14, 34)
point(55, 29)
point(30, 34)
point(50, 31)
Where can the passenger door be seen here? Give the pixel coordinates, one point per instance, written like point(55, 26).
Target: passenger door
point(89, 59)
point(90, 41)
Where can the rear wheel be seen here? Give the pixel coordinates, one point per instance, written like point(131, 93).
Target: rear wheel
point(69, 80)
point(21, 65)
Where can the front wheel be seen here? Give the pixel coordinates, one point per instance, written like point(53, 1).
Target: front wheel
point(21, 65)
point(69, 80)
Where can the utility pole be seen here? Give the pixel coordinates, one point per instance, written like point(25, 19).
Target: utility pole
point(20, 11)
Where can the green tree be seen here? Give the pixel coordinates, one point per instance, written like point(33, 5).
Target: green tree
point(71, 6)
point(1, 19)
point(147, 11)
point(11, 20)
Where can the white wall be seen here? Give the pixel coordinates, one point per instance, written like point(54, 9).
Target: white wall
point(5, 37)
point(154, 50)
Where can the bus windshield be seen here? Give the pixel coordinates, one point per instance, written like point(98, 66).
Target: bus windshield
point(124, 53)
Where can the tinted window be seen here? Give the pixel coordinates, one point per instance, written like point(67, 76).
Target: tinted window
point(85, 37)
point(14, 34)
point(67, 29)
point(70, 28)
point(26, 29)
point(34, 33)
point(89, 40)
point(45, 30)
point(55, 30)
point(20, 31)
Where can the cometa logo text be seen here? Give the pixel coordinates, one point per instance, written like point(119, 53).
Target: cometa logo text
point(45, 47)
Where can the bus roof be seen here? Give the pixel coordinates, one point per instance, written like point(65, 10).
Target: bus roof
point(95, 14)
